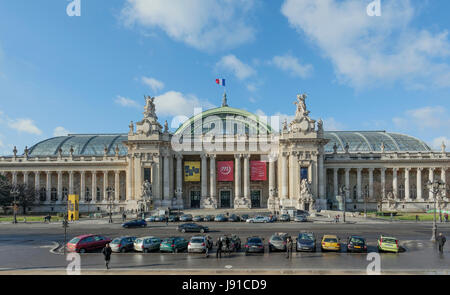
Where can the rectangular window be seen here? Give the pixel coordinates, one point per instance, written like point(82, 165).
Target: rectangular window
point(303, 173)
point(147, 174)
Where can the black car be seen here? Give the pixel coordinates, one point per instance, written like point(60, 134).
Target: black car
point(192, 227)
point(135, 223)
point(173, 218)
point(208, 218)
point(244, 217)
point(254, 245)
point(356, 244)
point(234, 243)
point(234, 218)
point(284, 217)
point(197, 218)
point(306, 241)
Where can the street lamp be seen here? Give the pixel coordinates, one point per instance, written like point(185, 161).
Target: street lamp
point(14, 192)
point(345, 190)
point(110, 204)
point(435, 188)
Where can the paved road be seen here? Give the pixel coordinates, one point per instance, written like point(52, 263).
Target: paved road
point(27, 247)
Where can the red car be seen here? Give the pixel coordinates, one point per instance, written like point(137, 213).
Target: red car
point(84, 243)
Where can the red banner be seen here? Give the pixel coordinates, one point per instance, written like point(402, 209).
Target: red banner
point(258, 171)
point(225, 170)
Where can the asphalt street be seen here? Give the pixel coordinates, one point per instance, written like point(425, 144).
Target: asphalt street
point(28, 247)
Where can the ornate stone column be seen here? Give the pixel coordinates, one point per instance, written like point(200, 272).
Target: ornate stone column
point(246, 177)
point(335, 182)
point(444, 192)
point(105, 186)
point(237, 178)
point(419, 184)
point(117, 185)
point(59, 188)
point(48, 188)
point(395, 183)
point(204, 177)
point(431, 178)
point(71, 182)
point(284, 176)
point(82, 186)
point(358, 185)
point(212, 177)
point(347, 183)
point(166, 188)
point(371, 183)
point(407, 193)
point(383, 183)
point(94, 186)
point(37, 186)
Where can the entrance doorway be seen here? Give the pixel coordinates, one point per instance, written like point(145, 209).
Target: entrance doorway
point(195, 199)
point(255, 197)
point(225, 199)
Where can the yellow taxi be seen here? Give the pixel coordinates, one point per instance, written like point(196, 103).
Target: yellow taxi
point(330, 243)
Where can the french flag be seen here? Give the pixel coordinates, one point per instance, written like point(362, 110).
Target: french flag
point(220, 82)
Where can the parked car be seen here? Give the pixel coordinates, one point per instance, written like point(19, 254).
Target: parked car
point(135, 223)
point(220, 218)
point(197, 218)
point(234, 243)
point(198, 244)
point(160, 218)
point(254, 245)
point(234, 218)
point(244, 217)
point(173, 218)
point(330, 243)
point(173, 244)
point(277, 242)
point(151, 219)
point(147, 244)
point(300, 218)
point(356, 244)
point(388, 244)
point(306, 241)
point(259, 219)
point(192, 227)
point(208, 218)
point(273, 218)
point(186, 217)
point(85, 243)
point(122, 244)
point(285, 217)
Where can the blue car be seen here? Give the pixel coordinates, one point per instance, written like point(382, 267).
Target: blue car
point(135, 223)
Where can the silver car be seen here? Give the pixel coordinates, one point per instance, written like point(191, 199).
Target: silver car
point(122, 244)
point(277, 242)
point(198, 244)
point(147, 244)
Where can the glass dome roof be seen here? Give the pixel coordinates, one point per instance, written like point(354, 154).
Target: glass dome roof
point(82, 144)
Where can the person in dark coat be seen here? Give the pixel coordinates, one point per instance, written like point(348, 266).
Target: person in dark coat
point(219, 248)
point(124, 217)
point(227, 244)
point(441, 242)
point(288, 247)
point(107, 254)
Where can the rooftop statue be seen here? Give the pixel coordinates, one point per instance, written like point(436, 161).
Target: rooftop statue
point(149, 109)
point(301, 105)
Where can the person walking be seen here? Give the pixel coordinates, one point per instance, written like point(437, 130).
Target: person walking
point(107, 254)
point(288, 248)
point(219, 245)
point(446, 217)
point(227, 244)
point(441, 242)
point(417, 218)
point(124, 217)
point(167, 220)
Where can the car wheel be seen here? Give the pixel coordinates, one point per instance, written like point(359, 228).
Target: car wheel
point(145, 250)
point(183, 230)
point(176, 250)
point(202, 230)
point(82, 250)
point(123, 250)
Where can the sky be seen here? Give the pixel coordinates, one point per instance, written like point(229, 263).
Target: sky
point(62, 73)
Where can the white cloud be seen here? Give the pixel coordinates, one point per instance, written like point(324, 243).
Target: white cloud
point(202, 24)
point(330, 124)
point(423, 118)
point(173, 103)
point(367, 50)
point(232, 64)
point(437, 143)
point(292, 65)
point(24, 125)
point(60, 131)
point(154, 84)
point(126, 102)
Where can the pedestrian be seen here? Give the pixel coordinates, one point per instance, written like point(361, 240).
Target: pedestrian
point(446, 217)
point(417, 218)
point(441, 242)
point(227, 244)
point(124, 217)
point(107, 254)
point(219, 245)
point(288, 247)
point(167, 220)
point(71, 216)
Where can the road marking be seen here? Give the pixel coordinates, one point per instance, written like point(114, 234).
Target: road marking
point(228, 266)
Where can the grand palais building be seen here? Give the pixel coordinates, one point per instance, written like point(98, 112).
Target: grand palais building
point(230, 158)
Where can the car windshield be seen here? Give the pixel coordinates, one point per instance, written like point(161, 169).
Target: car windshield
point(305, 236)
point(330, 240)
point(254, 240)
point(168, 241)
point(276, 238)
point(388, 240)
point(74, 240)
point(197, 241)
point(138, 241)
point(357, 240)
point(116, 241)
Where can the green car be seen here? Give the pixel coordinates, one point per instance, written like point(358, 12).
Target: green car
point(173, 244)
point(388, 244)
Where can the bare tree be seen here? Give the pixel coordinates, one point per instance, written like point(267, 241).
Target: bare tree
point(5, 196)
point(26, 196)
point(378, 195)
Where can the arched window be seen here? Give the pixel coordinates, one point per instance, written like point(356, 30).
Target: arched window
point(54, 194)
point(88, 195)
point(413, 191)
point(42, 194)
point(65, 193)
point(99, 194)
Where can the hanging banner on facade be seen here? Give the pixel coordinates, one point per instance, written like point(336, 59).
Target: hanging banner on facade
point(258, 171)
point(225, 170)
point(72, 207)
point(192, 171)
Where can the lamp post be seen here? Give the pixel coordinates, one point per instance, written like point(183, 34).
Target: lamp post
point(435, 188)
point(110, 204)
point(345, 189)
point(366, 197)
point(178, 194)
point(14, 192)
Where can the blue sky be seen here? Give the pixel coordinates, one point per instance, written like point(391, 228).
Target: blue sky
point(89, 73)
